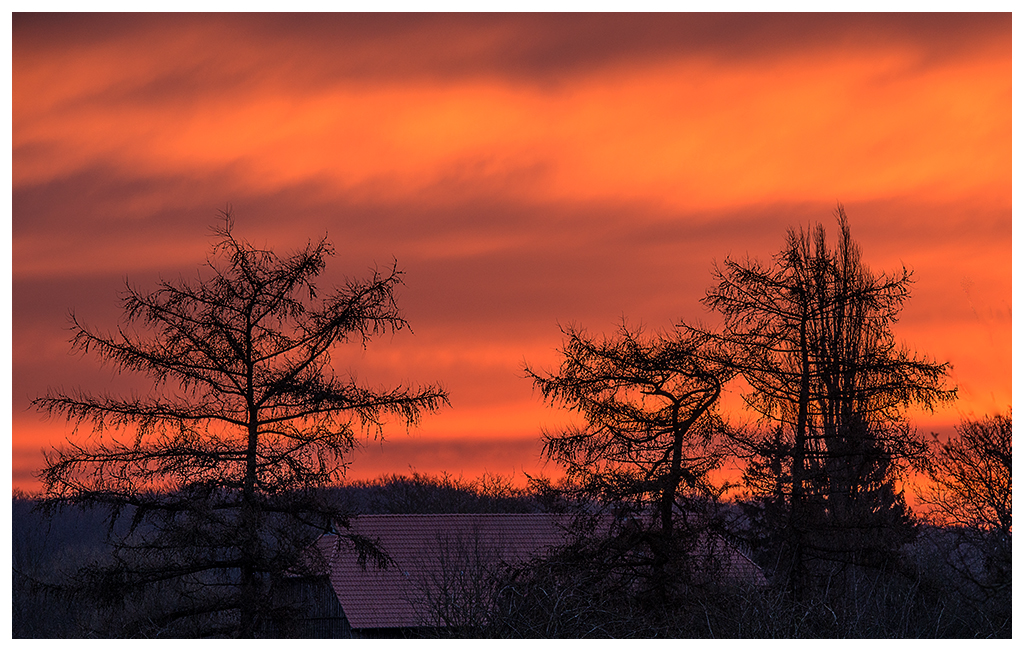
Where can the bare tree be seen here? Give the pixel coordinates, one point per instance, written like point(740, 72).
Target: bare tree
point(970, 492)
point(811, 335)
point(246, 419)
point(970, 475)
point(651, 438)
point(456, 594)
point(649, 405)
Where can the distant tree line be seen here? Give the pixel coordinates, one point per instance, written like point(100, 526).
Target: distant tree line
point(237, 462)
point(943, 586)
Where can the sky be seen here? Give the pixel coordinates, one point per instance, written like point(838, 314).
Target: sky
point(525, 171)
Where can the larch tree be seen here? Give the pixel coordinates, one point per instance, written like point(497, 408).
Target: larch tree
point(218, 467)
point(810, 334)
point(651, 431)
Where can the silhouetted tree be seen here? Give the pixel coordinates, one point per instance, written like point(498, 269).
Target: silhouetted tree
point(810, 334)
point(246, 419)
point(970, 474)
point(649, 405)
point(970, 491)
point(650, 439)
point(421, 493)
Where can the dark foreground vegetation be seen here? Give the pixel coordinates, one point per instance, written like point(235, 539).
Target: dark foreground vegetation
point(194, 524)
point(950, 581)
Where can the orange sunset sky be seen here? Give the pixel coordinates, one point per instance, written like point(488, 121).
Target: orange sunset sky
point(524, 171)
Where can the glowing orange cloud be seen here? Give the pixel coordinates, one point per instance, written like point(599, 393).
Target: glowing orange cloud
point(689, 132)
point(526, 171)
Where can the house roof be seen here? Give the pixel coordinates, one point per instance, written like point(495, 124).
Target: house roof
point(439, 552)
point(427, 550)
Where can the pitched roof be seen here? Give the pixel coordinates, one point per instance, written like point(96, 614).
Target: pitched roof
point(438, 552)
point(425, 549)
point(723, 562)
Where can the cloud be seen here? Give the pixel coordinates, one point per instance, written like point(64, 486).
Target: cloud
point(528, 48)
point(685, 128)
point(525, 171)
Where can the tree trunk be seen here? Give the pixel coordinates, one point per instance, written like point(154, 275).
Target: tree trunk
point(797, 511)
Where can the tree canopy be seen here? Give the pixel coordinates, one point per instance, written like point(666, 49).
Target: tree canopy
point(811, 335)
point(649, 404)
point(971, 475)
point(246, 417)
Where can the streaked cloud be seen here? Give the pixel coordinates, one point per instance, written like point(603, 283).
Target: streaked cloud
point(525, 170)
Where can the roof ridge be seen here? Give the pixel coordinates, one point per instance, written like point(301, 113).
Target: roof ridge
point(434, 515)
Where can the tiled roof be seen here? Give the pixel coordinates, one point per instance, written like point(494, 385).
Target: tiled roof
point(426, 548)
point(433, 552)
point(720, 561)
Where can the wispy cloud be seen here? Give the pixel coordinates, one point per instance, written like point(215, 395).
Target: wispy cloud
point(524, 169)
